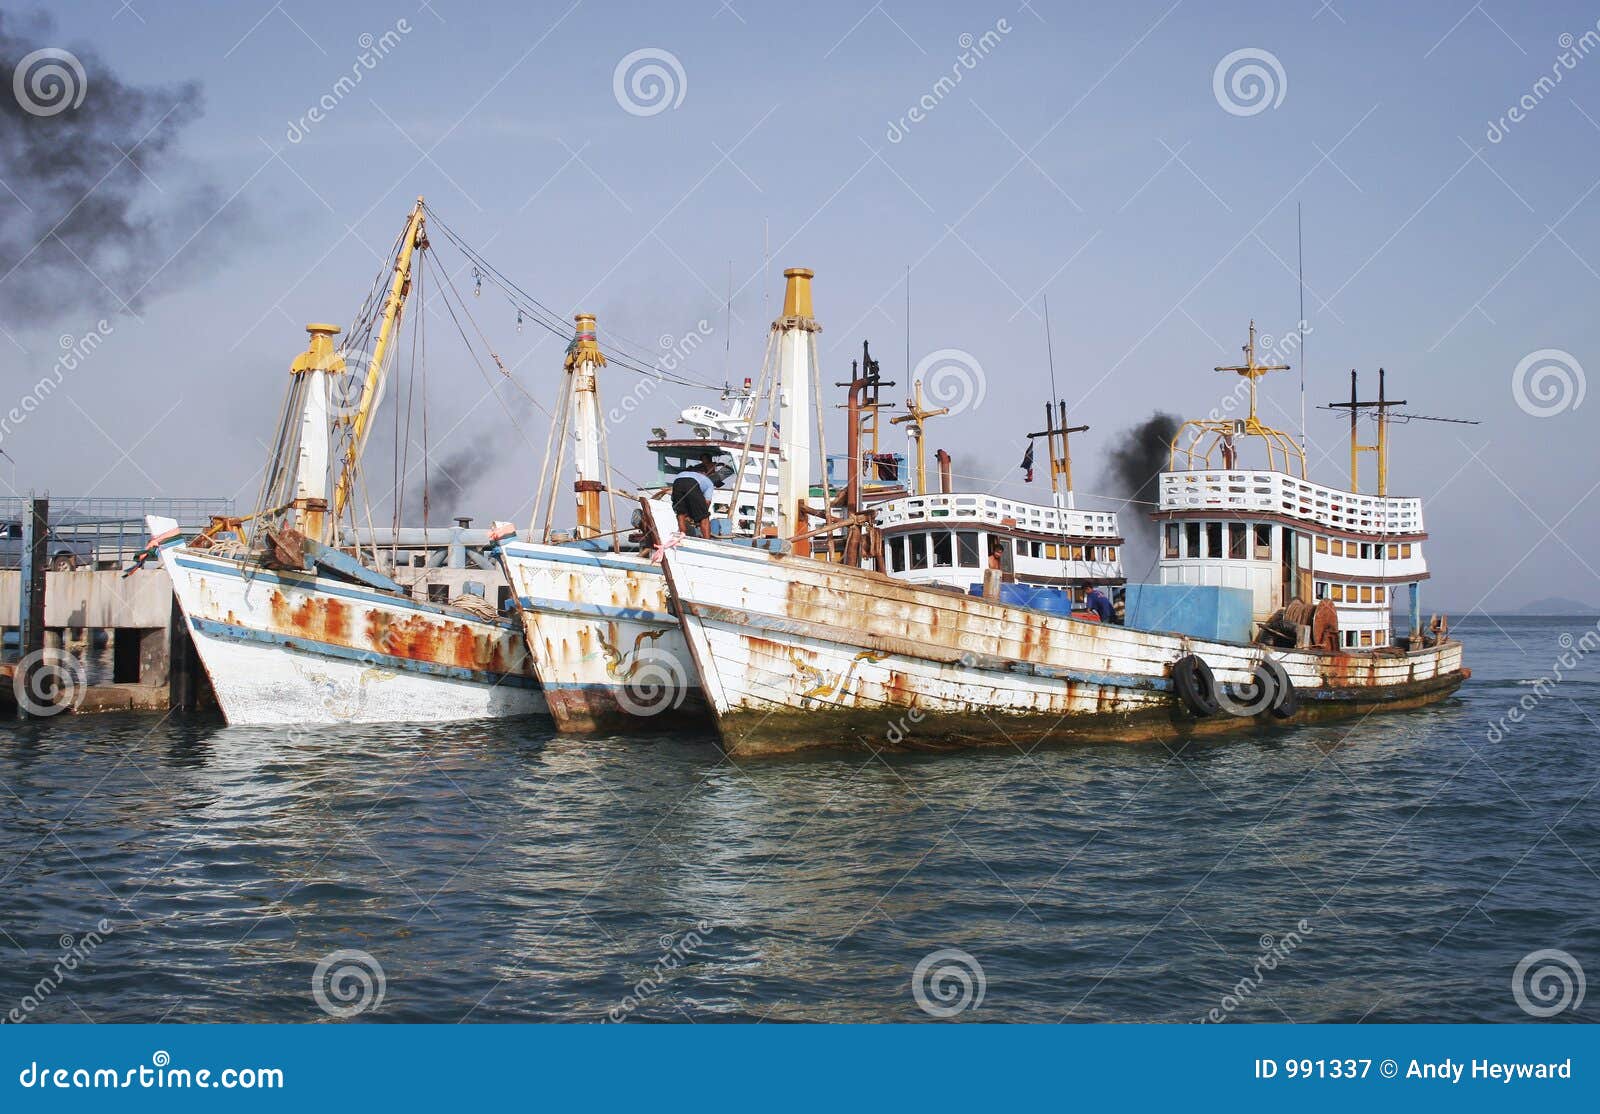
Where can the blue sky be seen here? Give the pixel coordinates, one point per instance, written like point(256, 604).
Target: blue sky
point(1085, 156)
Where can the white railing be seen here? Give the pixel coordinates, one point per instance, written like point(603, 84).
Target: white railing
point(991, 508)
point(1277, 493)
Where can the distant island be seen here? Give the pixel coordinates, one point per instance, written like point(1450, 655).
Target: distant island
point(1557, 605)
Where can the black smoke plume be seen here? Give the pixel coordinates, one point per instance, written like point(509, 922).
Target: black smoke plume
point(450, 482)
point(92, 215)
point(1135, 463)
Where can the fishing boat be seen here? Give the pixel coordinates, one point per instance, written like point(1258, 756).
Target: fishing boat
point(602, 627)
point(294, 623)
point(602, 637)
point(1253, 623)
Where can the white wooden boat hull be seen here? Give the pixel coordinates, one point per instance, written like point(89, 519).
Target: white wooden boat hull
point(297, 648)
point(605, 643)
point(796, 653)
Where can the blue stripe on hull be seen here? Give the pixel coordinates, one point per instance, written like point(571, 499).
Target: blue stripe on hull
point(235, 633)
point(596, 611)
point(310, 583)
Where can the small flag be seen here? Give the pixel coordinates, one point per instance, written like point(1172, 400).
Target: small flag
point(1027, 464)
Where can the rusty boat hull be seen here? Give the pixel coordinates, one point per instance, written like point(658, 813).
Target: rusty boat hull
point(795, 654)
point(300, 648)
point(604, 639)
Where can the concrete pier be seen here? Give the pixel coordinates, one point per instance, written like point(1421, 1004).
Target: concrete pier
point(117, 634)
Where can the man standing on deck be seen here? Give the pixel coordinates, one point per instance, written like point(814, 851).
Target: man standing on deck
point(1097, 602)
point(691, 497)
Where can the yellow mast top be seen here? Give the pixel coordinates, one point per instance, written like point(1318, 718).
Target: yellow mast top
point(1281, 446)
point(361, 420)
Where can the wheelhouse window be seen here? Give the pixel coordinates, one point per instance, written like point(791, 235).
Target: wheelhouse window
point(967, 549)
point(1263, 541)
point(1174, 530)
point(1191, 539)
point(1237, 537)
point(918, 544)
point(943, 553)
point(897, 553)
point(1213, 539)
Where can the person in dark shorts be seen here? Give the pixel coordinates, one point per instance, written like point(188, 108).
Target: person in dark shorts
point(691, 498)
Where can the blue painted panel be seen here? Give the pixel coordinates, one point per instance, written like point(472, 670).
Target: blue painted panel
point(1218, 614)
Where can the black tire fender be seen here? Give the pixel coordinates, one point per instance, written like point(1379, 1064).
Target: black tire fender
point(1195, 685)
point(1288, 701)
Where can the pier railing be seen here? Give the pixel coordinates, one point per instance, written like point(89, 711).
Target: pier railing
point(105, 530)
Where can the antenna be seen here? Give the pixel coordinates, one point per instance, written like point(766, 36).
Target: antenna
point(1050, 351)
point(727, 334)
point(908, 320)
point(1300, 252)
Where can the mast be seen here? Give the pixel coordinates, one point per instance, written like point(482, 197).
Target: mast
point(583, 358)
point(916, 415)
point(1057, 440)
point(314, 371)
point(360, 423)
point(1381, 446)
point(795, 376)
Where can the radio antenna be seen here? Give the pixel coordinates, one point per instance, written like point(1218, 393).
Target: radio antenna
point(1050, 351)
point(1300, 328)
point(908, 322)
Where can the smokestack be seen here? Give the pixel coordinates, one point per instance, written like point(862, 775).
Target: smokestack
point(944, 471)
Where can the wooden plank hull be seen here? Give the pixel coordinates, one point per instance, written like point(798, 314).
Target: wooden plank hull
point(796, 653)
point(298, 648)
point(604, 641)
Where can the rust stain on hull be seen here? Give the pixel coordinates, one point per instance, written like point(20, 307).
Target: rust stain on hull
point(437, 639)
